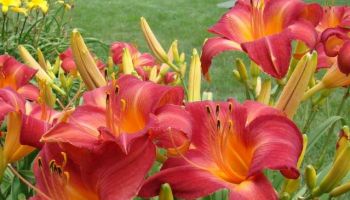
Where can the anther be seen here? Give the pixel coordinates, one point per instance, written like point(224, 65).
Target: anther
point(230, 107)
point(40, 162)
point(217, 110)
point(218, 124)
point(208, 109)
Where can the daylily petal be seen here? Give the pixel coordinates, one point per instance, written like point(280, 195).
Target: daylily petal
point(272, 53)
point(333, 40)
point(29, 91)
point(20, 73)
point(10, 101)
point(256, 188)
point(235, 24)
point(303, 31)
point(278, 14)
point(32, 131)
point(214, 46)
point(277, 145)
point(186, 182)
point(114, 174)
point(344, 58)
point(173, 127)
point(142, 98)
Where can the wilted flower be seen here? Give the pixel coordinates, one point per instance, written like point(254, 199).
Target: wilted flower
point(232, 145)
point(264, 30)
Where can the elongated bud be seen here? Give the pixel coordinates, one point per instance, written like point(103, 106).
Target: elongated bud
point(183, 68)
point(165, 192)
point(194, 82)
point(3, 164)
point(86, 64)
point(182, 57)
point(41, 59)
point(265, 93)
point(128, 66)
point(236, 75)
point(254, 69)
point(175, 51)
point(207, 96)
point(153, 75)
point(46, 94)
point(40, 74)
point(344, 138)
point(56, 66)
point(258, 86)
point(310, 177)
point(293, 92)
point(242, 69)
point(152, 42)
point(342, 189)
point(339, 170)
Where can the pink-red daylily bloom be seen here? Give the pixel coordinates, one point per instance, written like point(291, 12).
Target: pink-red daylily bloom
point(119, 126)
point(334, 30)
point(264, 29)
point(16, 75)
point(65, 172)
point(232, 145)
point(139, 59)
point(68, 63)
point(122, 111)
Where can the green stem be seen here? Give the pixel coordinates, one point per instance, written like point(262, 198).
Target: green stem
point(39, 31)
point(3, 33)
point(329, 134)
point(22, 29)
point(310, 118)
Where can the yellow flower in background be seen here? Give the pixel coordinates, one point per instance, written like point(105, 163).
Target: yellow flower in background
point(23, 11)
point(42, 4)
point(5, 4)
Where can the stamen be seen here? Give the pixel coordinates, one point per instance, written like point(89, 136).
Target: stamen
point(217, 110)
point(208, 109)
point(40, 162)
point(64, 155)
point(230, 107)
point(218, 124)
point(123, 104)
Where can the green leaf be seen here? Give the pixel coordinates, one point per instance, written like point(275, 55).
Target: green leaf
point(321, 130)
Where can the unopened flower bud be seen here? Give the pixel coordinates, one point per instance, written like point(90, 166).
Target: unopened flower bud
point(165, 192)
point(310, 177)
point(242, 69)
point(194, 82)
point(152, 42)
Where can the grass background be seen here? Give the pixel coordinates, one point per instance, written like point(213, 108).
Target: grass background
point(186, 21)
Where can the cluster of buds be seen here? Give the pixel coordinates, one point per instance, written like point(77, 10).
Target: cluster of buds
point(332, 183)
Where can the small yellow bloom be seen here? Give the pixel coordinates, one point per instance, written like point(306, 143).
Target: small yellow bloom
point(42, 4)
point(20, 10)
point(5, 4)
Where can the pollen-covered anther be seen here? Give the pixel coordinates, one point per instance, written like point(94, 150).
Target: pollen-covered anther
point(230, 107)
point(40, 162)
point(218, 124)
point(208, 110)
point(217, 110)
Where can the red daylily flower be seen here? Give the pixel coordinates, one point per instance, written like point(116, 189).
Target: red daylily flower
point(65, 172)
point(139, 59)
point(264, 29)
point(16, 75)
point(334, 31)
point(232, 145)
point(68, 63)
point(122, 111)
point(119, 125)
